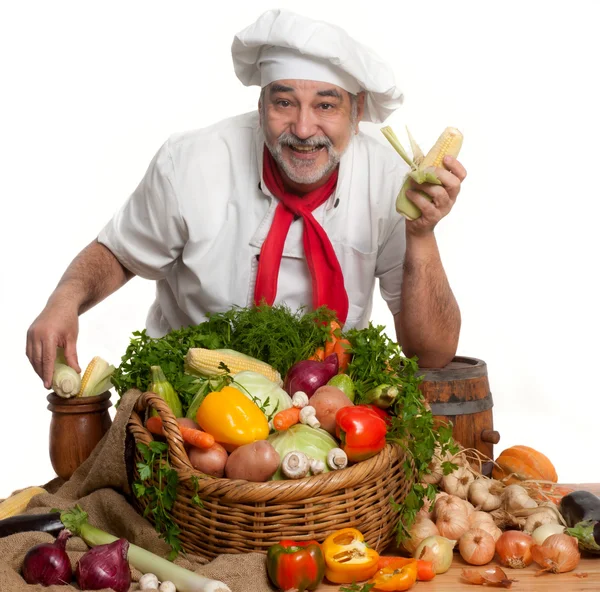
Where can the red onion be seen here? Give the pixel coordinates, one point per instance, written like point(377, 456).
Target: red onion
point(48, 563)
point(309, 375)
point(105, 566)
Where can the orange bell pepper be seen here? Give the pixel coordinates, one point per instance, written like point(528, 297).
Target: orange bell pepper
point(395, 577)
point(348, 558)
point(425, 571)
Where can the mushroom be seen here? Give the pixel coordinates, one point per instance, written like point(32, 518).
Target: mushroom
point(295, 465)
point(149, 582)
point(167, 587)
point(300, 399)
point(316, 466)
point(337, 459)
point(309, 417)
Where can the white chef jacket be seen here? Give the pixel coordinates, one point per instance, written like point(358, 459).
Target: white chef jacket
point(200, 215)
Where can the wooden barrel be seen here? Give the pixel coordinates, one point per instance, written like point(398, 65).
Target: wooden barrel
point(460, 392)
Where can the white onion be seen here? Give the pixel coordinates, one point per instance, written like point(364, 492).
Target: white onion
point(541, 533)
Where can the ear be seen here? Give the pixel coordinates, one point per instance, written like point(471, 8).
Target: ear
point(360, 109)
point(260, 112)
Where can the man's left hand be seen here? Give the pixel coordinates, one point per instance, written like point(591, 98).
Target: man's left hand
point(443, 197)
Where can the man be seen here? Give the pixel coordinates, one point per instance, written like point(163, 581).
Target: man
point(290, 204)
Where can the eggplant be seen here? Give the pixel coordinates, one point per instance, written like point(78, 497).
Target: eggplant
point(579, 506)
point(49, 523)
point(587, 534)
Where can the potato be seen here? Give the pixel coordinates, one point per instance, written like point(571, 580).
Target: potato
point(188, 423)
point(210, 461)
point(327, 401)
point(257, 461)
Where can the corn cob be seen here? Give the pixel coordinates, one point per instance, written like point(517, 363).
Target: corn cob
point(17, 503)
point(207, 362)
point(422, 167)
point(96, 378)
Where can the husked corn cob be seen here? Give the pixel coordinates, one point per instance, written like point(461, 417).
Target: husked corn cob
point(422, 167)
point(207, 362)
point(17, 504)
point(96, 378)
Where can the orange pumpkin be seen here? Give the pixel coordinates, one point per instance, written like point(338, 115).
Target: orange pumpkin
point(520, 463)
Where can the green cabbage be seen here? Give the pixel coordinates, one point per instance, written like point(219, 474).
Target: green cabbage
point(268, 395)
point(314, 442)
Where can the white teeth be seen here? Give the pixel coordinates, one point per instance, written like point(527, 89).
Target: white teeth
point(304, 148)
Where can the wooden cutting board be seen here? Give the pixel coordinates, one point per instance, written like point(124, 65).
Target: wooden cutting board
point(527, 580)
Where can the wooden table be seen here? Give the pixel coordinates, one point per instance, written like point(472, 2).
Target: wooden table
point(527, 580)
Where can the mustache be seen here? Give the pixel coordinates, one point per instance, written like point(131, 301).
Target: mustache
point(289, 139)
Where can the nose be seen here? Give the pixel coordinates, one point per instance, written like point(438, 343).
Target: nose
point(304, 124)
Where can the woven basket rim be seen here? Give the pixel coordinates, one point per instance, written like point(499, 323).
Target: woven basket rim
point(237, 490)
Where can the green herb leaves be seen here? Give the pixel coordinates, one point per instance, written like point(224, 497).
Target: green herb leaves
point(272, 334)
point(158, 484)
point(376, 360)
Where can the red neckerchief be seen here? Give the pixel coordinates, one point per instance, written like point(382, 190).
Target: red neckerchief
point(327, 278)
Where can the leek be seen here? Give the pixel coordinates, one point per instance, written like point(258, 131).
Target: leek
point(76, 520)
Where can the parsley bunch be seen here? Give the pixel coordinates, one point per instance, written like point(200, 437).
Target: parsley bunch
point(376, 360)
point(273, 334)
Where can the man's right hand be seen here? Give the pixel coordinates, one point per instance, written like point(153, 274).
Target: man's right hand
point(56, 326)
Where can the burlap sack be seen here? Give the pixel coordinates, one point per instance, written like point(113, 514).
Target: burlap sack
point(100, 486)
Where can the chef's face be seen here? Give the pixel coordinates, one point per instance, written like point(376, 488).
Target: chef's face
point(307, 127)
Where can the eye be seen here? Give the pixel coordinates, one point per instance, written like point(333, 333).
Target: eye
point(326, 106)
point(283, 103)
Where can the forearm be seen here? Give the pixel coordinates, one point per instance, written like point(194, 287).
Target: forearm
point(92, 276)
point(428, 324)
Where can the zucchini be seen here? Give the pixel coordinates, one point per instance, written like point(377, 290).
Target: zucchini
point(49, 523)
point(579, 506)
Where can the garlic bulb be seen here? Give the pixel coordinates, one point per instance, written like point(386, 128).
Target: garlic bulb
point(479, 516)
point(485, 495)
point(489, 527)
point(516, 498)
point(452, 525)
point(420, 530)
point(448, 503)
point(458, 482)
point(538, 519)
point(148, 582)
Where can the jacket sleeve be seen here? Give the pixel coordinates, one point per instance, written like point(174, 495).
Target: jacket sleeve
point(147, 234)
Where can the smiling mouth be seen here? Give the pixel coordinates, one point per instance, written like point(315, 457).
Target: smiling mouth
point(305, 149)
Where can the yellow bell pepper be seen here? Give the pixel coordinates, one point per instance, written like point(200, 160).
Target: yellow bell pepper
point(348, 558)
point(232, 418)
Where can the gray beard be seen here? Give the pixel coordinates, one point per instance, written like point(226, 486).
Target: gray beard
point(299, 170)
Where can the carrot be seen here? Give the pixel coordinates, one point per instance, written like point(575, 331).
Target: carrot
point(319, 355)
point(194, 437)
point(286, 418)
point(340, 348)
point(425, 571)
point(330, 343)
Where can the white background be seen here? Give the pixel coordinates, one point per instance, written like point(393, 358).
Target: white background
point(91, 90)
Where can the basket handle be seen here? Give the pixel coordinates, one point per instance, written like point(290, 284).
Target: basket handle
point(177, 454)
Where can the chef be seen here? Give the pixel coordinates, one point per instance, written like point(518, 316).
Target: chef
point(290, 203)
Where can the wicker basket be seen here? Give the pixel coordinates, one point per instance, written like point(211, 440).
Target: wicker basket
point(240, 516)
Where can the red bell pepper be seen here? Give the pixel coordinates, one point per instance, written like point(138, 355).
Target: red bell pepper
point(296, 565)
point(361, 432)
point(381, 412)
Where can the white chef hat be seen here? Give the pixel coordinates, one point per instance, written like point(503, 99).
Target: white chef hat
point(284, 45)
